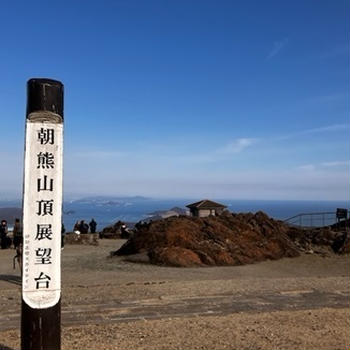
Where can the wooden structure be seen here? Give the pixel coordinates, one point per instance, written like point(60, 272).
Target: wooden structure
point(205, 208)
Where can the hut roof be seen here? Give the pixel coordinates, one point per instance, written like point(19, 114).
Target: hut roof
point(206, 204)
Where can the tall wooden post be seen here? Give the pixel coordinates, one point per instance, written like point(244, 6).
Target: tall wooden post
point(42, 216)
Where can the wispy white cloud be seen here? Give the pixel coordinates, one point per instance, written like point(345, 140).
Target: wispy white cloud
point(277, 47)
point(327, 128)
point(324, 165)
point(336, 163)
point(234, 147)
point(333, 127)
point(237, 146)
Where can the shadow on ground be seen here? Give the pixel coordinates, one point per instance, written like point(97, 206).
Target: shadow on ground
point(11, 279)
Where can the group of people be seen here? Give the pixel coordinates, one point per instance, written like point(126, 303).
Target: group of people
point(5, 240)
point(83, 227)
point(17, 239)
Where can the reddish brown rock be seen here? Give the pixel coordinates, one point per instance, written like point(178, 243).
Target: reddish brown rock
point(174, 256)
point(228, 239)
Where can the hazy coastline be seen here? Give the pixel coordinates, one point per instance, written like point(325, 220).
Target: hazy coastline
point(108, 209)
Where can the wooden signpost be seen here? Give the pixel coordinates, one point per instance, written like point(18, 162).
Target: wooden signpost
point(42, 216)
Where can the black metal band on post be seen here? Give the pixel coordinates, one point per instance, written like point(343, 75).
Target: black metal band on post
point(41, 326)
point(44, 95)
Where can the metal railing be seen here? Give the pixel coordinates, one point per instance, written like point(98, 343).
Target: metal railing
point(313, 219)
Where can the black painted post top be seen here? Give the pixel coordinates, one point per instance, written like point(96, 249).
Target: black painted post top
point(44, 95)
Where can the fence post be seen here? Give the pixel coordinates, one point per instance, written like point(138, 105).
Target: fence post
point(42, 216)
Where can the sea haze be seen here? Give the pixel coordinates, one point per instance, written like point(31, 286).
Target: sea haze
point(107, 210)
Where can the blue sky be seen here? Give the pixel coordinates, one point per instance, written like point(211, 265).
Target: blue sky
point(219, 99)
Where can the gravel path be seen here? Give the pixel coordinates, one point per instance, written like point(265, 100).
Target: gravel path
point(109, 303)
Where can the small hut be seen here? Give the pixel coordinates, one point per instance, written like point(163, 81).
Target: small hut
point(205, 208)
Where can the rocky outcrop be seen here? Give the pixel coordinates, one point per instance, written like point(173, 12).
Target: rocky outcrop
point(228, 239)
point(320, 240)
point(118, 230)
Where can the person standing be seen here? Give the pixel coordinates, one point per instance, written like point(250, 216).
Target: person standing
point(63, 231)
point(3, 234)
point(83, 227)
point(76, 227)
point(93, 225)
point(17, 234)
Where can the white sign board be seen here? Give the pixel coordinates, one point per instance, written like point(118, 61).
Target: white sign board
point(42, 214)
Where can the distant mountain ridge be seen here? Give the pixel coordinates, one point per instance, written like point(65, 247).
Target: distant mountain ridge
point(163, 214)
point(10, 214)
point(109, 200)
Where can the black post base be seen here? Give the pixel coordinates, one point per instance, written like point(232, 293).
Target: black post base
point(41, 328)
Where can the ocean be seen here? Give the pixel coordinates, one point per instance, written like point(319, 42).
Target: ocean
point(108, 210)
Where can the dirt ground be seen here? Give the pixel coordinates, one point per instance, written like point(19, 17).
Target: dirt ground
point(110, 303)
